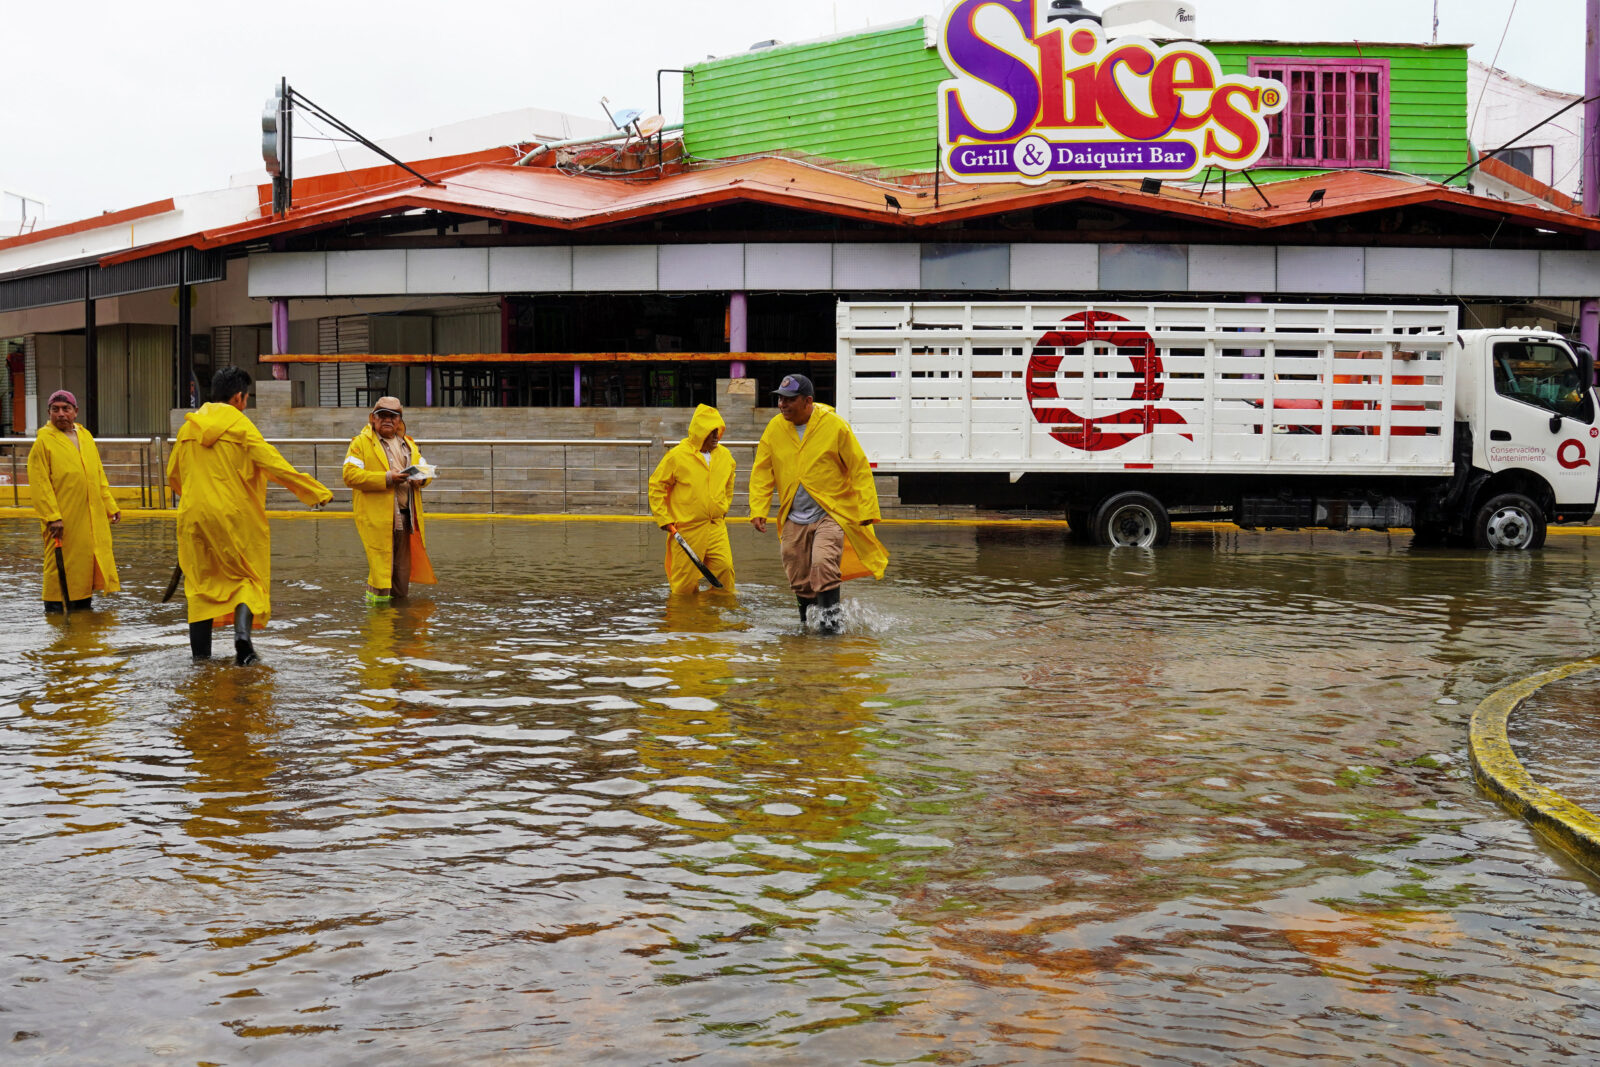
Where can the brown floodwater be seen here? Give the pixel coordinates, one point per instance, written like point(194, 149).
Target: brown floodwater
point(1556, 734)
point(1040, 803)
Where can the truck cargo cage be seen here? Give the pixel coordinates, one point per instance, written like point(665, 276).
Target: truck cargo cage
point(1178, 387)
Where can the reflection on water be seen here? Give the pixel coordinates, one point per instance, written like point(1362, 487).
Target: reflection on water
point(1205, 805)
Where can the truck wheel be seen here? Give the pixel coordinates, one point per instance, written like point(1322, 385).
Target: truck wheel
point(1509, 522)
point(1132, 520)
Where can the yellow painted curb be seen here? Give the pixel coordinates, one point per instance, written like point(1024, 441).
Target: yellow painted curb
point(1497, 769)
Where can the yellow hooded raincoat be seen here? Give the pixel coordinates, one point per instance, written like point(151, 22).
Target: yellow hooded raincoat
point(372, 502)
point(837, 474)
point(219, 469)
point(693, 495)
point(69, 484)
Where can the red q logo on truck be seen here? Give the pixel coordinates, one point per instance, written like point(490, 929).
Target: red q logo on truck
point(1090, 433)
point(1572, 454)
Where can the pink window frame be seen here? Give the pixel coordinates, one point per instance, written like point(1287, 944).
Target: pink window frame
point(1319, 66)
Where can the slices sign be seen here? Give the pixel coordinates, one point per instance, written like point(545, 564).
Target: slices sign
point(1035, 105)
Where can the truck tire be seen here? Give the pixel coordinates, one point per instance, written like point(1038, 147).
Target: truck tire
point(1132, 520)
point(1509, 522)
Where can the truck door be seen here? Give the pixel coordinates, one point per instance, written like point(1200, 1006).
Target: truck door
point(1541, 417)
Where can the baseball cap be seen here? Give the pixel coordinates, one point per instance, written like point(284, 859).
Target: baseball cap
point(795, 385)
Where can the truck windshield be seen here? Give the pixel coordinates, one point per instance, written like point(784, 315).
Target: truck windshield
point(1542, 374)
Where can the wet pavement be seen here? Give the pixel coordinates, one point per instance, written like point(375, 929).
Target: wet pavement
point(1041, 802)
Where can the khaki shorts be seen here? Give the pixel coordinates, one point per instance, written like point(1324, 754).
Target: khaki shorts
point(811, 556)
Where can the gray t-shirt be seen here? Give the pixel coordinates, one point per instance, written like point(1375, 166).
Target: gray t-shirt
point(804, 510)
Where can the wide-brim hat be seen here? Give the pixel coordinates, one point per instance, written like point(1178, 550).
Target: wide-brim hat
point(388, 403)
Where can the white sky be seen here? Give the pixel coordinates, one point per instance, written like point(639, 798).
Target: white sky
point(111, 104)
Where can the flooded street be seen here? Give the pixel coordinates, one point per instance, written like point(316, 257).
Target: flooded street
point(1206, 805)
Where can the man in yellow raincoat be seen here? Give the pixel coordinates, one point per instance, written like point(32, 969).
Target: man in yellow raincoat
point(73, 500)
point(219, 469)
point(827, 502)
point(690, 493)
point(387, 504)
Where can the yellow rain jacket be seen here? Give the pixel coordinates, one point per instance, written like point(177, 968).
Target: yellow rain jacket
point(69, 484)
point(219, 469)
point(693, 495)
point(835, 471)
point(372, 502)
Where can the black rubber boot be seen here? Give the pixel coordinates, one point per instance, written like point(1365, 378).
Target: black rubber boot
point(53, 607)
point(86, 604)
point(806, 603)
point(830, 619)
point(244, 653)
point(200, 639)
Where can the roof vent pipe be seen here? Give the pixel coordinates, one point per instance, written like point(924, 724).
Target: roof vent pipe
point(1070, 11)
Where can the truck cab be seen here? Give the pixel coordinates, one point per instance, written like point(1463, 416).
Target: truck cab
point(1527, 401)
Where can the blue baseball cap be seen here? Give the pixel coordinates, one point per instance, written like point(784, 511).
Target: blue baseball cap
point(795, 385)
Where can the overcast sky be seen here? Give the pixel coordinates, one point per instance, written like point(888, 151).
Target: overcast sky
point(112, 104)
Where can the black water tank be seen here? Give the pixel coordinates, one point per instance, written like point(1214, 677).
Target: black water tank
point(1071, 11)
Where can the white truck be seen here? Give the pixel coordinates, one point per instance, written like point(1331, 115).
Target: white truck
point(1267, 415)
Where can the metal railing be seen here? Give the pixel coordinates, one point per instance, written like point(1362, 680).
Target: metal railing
point(131, 463)
point(509, 475)
point(501, 475)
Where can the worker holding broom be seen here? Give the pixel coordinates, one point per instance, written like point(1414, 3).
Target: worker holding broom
point(690, 493)
point(76, 510)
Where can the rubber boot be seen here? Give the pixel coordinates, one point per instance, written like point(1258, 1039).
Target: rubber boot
point(53, 607)
point(200, 639)
point(244, 653)
point(806, 603)
point(830, 619)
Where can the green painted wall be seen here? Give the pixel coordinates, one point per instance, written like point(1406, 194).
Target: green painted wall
point(871, 99)
point(867, 98)
point(1427, 100)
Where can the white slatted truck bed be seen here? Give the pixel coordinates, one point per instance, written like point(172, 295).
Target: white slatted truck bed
point(1271, 415)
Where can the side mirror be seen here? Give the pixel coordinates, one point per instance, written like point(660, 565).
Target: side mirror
point(1555, 423)
point(1585, 363)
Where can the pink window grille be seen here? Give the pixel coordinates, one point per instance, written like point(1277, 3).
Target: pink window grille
point(1335, 116)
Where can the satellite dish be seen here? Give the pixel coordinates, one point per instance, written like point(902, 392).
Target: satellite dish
point(624, 118)
point(649, 127)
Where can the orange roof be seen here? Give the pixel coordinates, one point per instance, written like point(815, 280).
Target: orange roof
point(1496, 167)
point(551, 199)
point(94, 222)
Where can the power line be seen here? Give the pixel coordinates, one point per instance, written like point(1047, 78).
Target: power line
point(1493, 65)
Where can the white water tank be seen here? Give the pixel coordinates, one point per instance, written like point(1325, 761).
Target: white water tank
point(1161, 20)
